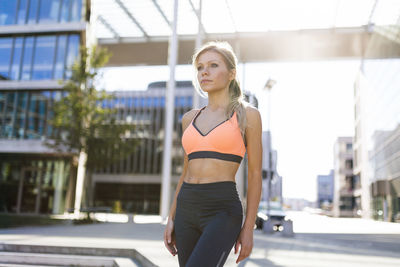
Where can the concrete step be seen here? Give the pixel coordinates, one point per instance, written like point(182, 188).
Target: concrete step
point(117, 256)
point(63, 260)
point(24, 265)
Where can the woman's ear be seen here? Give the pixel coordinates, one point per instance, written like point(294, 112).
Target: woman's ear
point(232, 74)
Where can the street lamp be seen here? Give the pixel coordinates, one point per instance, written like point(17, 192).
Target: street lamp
point(268, 87)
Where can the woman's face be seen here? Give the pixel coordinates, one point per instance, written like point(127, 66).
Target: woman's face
point(212, 72)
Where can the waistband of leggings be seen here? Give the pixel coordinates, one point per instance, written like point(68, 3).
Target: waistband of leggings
point(212, 185)
point(209, 192)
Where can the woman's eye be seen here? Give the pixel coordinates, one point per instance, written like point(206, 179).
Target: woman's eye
point(214, 65)
point(199, 68)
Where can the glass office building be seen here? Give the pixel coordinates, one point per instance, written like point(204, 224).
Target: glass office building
point(377, 128)
point(39, 41)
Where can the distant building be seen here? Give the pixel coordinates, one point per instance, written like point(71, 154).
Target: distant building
point(269, 163)
point(325, 184)
point(345, 203)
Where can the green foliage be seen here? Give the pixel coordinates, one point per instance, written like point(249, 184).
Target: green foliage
point(80, 121)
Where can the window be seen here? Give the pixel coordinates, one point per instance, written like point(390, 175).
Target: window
point(19, 125)
point(73, 51)
point(7, 12)
point(76, 7)
point(5, 57)
point(33, 10)
point(349, 146)
point(49, 10)
point(26, 114)
point(60, 58)
point(44, 57)
point(39, 11)
point(27, 60)
point(349, 164)
point(16, 64)
point(37, 57)
point(22, 12)
point(65, 11)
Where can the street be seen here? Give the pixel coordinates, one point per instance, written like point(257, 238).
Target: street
point(324, 241)
point(318, 241)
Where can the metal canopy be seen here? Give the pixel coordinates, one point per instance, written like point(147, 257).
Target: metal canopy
point(137, 32)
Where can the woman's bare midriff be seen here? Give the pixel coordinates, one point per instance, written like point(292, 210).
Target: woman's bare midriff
point(207, 170)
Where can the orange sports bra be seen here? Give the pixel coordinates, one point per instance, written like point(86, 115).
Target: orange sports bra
point(224, 141)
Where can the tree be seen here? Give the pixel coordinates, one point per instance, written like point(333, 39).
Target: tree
point(84, 126)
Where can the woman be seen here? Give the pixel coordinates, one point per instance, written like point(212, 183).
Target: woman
point(206, 215)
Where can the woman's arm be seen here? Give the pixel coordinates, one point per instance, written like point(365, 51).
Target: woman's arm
point(254, 156)
point(254, 183)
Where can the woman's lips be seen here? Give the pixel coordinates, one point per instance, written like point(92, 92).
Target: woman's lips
point(205, 81)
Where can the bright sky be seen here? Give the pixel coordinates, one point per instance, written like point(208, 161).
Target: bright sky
point(220, 16)
point(312, 104)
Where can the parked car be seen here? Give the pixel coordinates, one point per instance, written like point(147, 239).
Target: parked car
point(276, 214)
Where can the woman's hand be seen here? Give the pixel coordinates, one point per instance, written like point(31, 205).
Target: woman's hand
point(169, 237)
point(245, 240)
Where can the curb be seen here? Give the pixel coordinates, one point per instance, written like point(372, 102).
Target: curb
point(131, 254)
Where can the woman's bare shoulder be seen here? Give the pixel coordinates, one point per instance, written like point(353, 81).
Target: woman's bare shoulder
point(252, 113)
point(188, 116)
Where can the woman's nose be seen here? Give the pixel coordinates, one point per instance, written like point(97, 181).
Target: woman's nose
point(204, 72)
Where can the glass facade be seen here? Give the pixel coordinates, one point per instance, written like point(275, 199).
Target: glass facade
point(382, 129)
point(24, 114)
point(39, 11)
point(44, 57)
point(377, 112)
point(145, 111)
point(31, 184)
point(383, 95)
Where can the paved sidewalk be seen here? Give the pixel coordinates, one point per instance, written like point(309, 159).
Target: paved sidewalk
point(325, 245)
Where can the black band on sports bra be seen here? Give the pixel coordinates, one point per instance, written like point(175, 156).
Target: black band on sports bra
point(215, 155)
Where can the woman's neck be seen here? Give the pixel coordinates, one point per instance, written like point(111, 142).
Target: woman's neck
point(218, 100)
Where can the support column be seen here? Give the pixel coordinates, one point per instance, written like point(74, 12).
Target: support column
point(169, 118)
point(59, 187)
point(20, 189)
point(80, 182)
point(199, 41)
point(39, 179)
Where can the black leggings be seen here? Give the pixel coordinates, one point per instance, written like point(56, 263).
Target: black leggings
point(207, 223)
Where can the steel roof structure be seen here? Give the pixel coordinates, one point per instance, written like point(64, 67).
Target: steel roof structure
point(137, 32)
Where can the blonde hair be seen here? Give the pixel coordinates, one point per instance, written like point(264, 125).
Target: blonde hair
point(236, 99)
